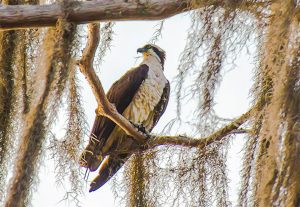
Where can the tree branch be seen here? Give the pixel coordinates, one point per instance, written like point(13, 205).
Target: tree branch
point(105, 108)
point(24, 16)
point(201, 142)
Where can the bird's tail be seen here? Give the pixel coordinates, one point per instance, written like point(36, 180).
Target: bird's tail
point(109, 167)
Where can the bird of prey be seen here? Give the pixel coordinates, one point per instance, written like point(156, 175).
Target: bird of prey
point(141, 95)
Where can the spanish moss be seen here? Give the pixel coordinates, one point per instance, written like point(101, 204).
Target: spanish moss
point(12, 51)
point(245, 197)
point(67, 150)
point(137, 179)
point(106, 34)
point(7, 96)
point(35, 131)
point(157, 33)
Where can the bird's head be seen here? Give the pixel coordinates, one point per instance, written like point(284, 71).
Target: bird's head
point(154, 51)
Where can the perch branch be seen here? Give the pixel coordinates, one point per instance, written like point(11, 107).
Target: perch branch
point(24, 16)
point(105, 108)
point(231, 128)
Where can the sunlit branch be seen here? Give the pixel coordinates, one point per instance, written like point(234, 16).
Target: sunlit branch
point(80, 12)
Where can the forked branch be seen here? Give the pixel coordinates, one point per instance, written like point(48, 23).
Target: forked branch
point(107, 109)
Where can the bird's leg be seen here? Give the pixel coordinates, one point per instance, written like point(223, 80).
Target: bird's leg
point(135, 125)
point(141, 128)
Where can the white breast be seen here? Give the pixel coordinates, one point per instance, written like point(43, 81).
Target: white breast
point(140, 110)
point(148, 96)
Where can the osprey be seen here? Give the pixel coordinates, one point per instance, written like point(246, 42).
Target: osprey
point(141, 95)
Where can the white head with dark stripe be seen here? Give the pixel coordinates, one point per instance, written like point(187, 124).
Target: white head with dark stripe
point(154, 51)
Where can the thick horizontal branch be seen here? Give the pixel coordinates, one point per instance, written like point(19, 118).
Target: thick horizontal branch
point(201, 142)
point(105, 108)
point(24, 16)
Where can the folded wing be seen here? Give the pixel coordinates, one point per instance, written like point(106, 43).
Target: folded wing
point(112, 163)
point(121, 94)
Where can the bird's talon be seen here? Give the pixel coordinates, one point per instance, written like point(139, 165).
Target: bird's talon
point(142, 129)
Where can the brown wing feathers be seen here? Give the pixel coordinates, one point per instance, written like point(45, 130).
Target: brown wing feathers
point(120, 94)
point(160, 108)
point(112, 164)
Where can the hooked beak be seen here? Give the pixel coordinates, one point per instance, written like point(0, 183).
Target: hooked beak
point(141, 50)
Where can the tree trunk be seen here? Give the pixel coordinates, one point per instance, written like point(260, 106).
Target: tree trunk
point(277, 171)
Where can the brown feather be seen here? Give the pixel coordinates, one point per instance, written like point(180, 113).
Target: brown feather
point(112, 163)
point(120, 94)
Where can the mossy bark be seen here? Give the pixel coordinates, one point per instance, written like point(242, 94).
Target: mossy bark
point(277, 165)
point(55, 54)
point(137, 182)
point(7, 45)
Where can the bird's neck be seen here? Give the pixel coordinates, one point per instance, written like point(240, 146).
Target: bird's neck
point(153, 62)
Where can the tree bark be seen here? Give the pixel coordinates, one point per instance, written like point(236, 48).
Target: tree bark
point(12, 17)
